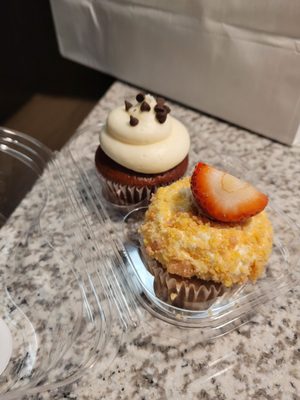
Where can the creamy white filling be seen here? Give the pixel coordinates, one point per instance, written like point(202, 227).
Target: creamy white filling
point(149, 147)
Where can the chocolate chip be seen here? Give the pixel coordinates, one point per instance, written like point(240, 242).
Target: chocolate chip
point(133, 121)
point(167, 109)
point(140, 97)
point(160, 100)
point(159, 108)
point(127, 105)
point(145, 106)
point(161, 118)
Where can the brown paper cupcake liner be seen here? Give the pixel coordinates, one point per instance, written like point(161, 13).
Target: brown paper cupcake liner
point(191, 294)
point(125, 194)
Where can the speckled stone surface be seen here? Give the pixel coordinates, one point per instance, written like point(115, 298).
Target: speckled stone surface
point(259, 360)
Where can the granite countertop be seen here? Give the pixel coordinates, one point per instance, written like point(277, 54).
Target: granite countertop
point(260, 359)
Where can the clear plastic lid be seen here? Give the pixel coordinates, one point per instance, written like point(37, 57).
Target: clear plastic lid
point(223, 314)
point(55, 321)
point(85, 286)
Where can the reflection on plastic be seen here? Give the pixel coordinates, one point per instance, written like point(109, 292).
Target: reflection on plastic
point(5, 345)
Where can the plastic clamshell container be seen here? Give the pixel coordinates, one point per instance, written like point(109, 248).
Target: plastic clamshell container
point(81, 271)
point(227, 311)
point(52, 324)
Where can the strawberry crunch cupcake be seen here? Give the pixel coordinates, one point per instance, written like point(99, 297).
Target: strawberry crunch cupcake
point(205, 235)
point(141, 148)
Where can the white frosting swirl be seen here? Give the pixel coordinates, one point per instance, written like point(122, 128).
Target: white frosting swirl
point(149, 147)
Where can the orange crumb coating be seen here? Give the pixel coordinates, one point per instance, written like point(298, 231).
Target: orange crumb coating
point(190, 245)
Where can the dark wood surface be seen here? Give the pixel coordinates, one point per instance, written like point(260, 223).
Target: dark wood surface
point(41, 93)
point(51, 119)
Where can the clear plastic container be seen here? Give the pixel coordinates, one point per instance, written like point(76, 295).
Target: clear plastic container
point(85, 287)
point(22, 160)
point(53, 326)
point(225, 312)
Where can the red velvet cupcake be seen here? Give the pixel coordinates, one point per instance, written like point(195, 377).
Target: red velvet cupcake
point(141, 148)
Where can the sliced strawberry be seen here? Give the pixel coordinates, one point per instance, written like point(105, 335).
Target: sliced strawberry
point(224, 197)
